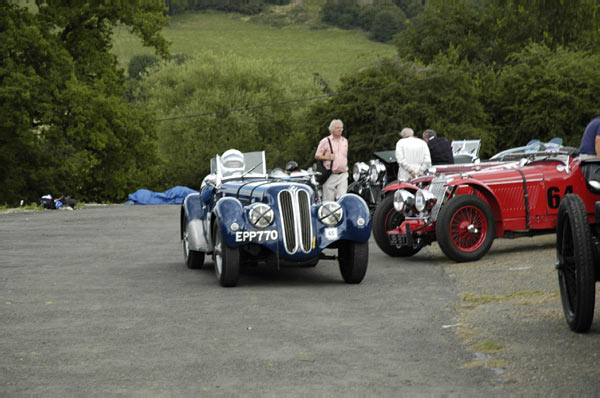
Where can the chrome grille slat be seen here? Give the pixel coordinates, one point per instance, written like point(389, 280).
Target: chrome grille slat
point(438, 188)
point(305, 220)
point(286, 207)
point(295, 213)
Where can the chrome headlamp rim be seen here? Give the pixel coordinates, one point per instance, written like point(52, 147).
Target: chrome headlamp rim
point(330, 213)
point(376, 171)
point(401, 198)
point(359, 170)
point(424, 200)
point(261, 215)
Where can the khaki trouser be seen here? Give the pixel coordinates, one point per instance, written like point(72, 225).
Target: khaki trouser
point(335, 186)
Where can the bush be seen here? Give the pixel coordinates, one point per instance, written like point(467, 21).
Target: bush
point(140, 64)
point(545, 94)
point(438, 96)
point(342, 13)
point(386, 24)
point(205, 90)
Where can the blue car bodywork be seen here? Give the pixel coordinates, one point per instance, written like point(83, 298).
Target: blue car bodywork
point(253, 217)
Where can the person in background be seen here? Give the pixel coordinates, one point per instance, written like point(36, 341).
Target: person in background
point(337, 183)
point(590, 141)
point(412, 155)
point(440, 148)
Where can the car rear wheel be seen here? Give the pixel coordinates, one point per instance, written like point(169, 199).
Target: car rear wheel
point(575, 263)
point(193, 259)
point(385, 219)
point(465, 228)
point(353, 258)
point(226, 260)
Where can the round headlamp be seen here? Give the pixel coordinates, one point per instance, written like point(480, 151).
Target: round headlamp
point(424, 200)
point(261, 215)
point(403, 199)
point(330, 213)
point(376, 171)
point(359, 170)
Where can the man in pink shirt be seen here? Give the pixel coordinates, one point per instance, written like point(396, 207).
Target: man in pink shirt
point(337, 184)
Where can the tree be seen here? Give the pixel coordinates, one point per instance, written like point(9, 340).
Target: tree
point(63, 125)
point(542, 95)
point(387, 23)
point(376, 103)
point(488, 31)
point(443, 25)
point(210, 104)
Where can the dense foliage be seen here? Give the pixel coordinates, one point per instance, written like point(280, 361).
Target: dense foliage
point(210, 104)
point(382, 18)
point(490, 30)
point(242, 6)
point(543, 94)
point(63, 125)
point(505, 71)
point(377, 103)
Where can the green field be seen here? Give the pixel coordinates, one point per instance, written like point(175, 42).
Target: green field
point(330, 52)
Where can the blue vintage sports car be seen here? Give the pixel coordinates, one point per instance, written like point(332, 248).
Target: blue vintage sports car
point(243, 215)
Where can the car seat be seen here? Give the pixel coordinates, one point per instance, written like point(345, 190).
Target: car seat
point(591, 172)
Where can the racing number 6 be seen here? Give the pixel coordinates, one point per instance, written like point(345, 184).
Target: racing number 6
point(554, 196)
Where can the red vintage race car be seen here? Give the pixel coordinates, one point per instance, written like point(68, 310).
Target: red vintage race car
point(466, 211)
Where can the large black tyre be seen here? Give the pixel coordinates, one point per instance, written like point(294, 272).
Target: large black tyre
point(465, 228)
point(386, 218)
point(193, 259)
point(353, 258)
point(226, 260)
point(575, 263)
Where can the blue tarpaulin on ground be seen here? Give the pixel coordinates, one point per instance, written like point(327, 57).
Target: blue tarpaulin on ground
point(172, 196)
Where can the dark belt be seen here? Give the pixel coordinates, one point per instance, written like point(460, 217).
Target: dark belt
point(339, 173)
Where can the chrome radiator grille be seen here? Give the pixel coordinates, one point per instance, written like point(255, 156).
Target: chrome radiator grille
point(438, 188)
point(294, 209)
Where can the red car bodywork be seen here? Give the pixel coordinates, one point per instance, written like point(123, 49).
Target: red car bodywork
point(523, 198)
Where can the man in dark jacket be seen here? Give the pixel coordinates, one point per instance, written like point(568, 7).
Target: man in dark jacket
point(439, 148)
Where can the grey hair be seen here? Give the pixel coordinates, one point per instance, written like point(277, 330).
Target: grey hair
point(334, 122)
point(407, 132)
point(429, 134)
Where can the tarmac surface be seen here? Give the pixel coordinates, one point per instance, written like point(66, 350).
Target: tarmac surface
point(99, 301)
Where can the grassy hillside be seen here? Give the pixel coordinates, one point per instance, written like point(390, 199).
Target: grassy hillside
point(330, 52)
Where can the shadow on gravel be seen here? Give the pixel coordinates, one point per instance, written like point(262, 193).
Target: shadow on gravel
point(262, 275)
point(436, 257)
point(522, 248)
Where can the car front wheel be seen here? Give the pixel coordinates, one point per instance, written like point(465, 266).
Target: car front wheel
point(226, 259)
point(575, 263)
point(465, 228)
point(386, 218)
point(353, 258)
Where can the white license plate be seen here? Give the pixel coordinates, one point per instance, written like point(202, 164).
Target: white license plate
point(331, 233)
point(256, 236)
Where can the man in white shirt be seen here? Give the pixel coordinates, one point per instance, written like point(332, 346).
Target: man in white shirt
point(412, 155)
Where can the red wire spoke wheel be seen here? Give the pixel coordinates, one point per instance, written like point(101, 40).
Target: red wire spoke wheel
point(465, 228)
point(468, 228)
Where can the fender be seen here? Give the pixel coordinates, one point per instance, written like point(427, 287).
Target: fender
point(228, 211)
point(355, 209)
point(488, 195)
point(400, 185)
point(192, 209)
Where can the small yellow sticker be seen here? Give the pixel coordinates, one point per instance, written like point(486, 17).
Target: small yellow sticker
point(314, 242)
